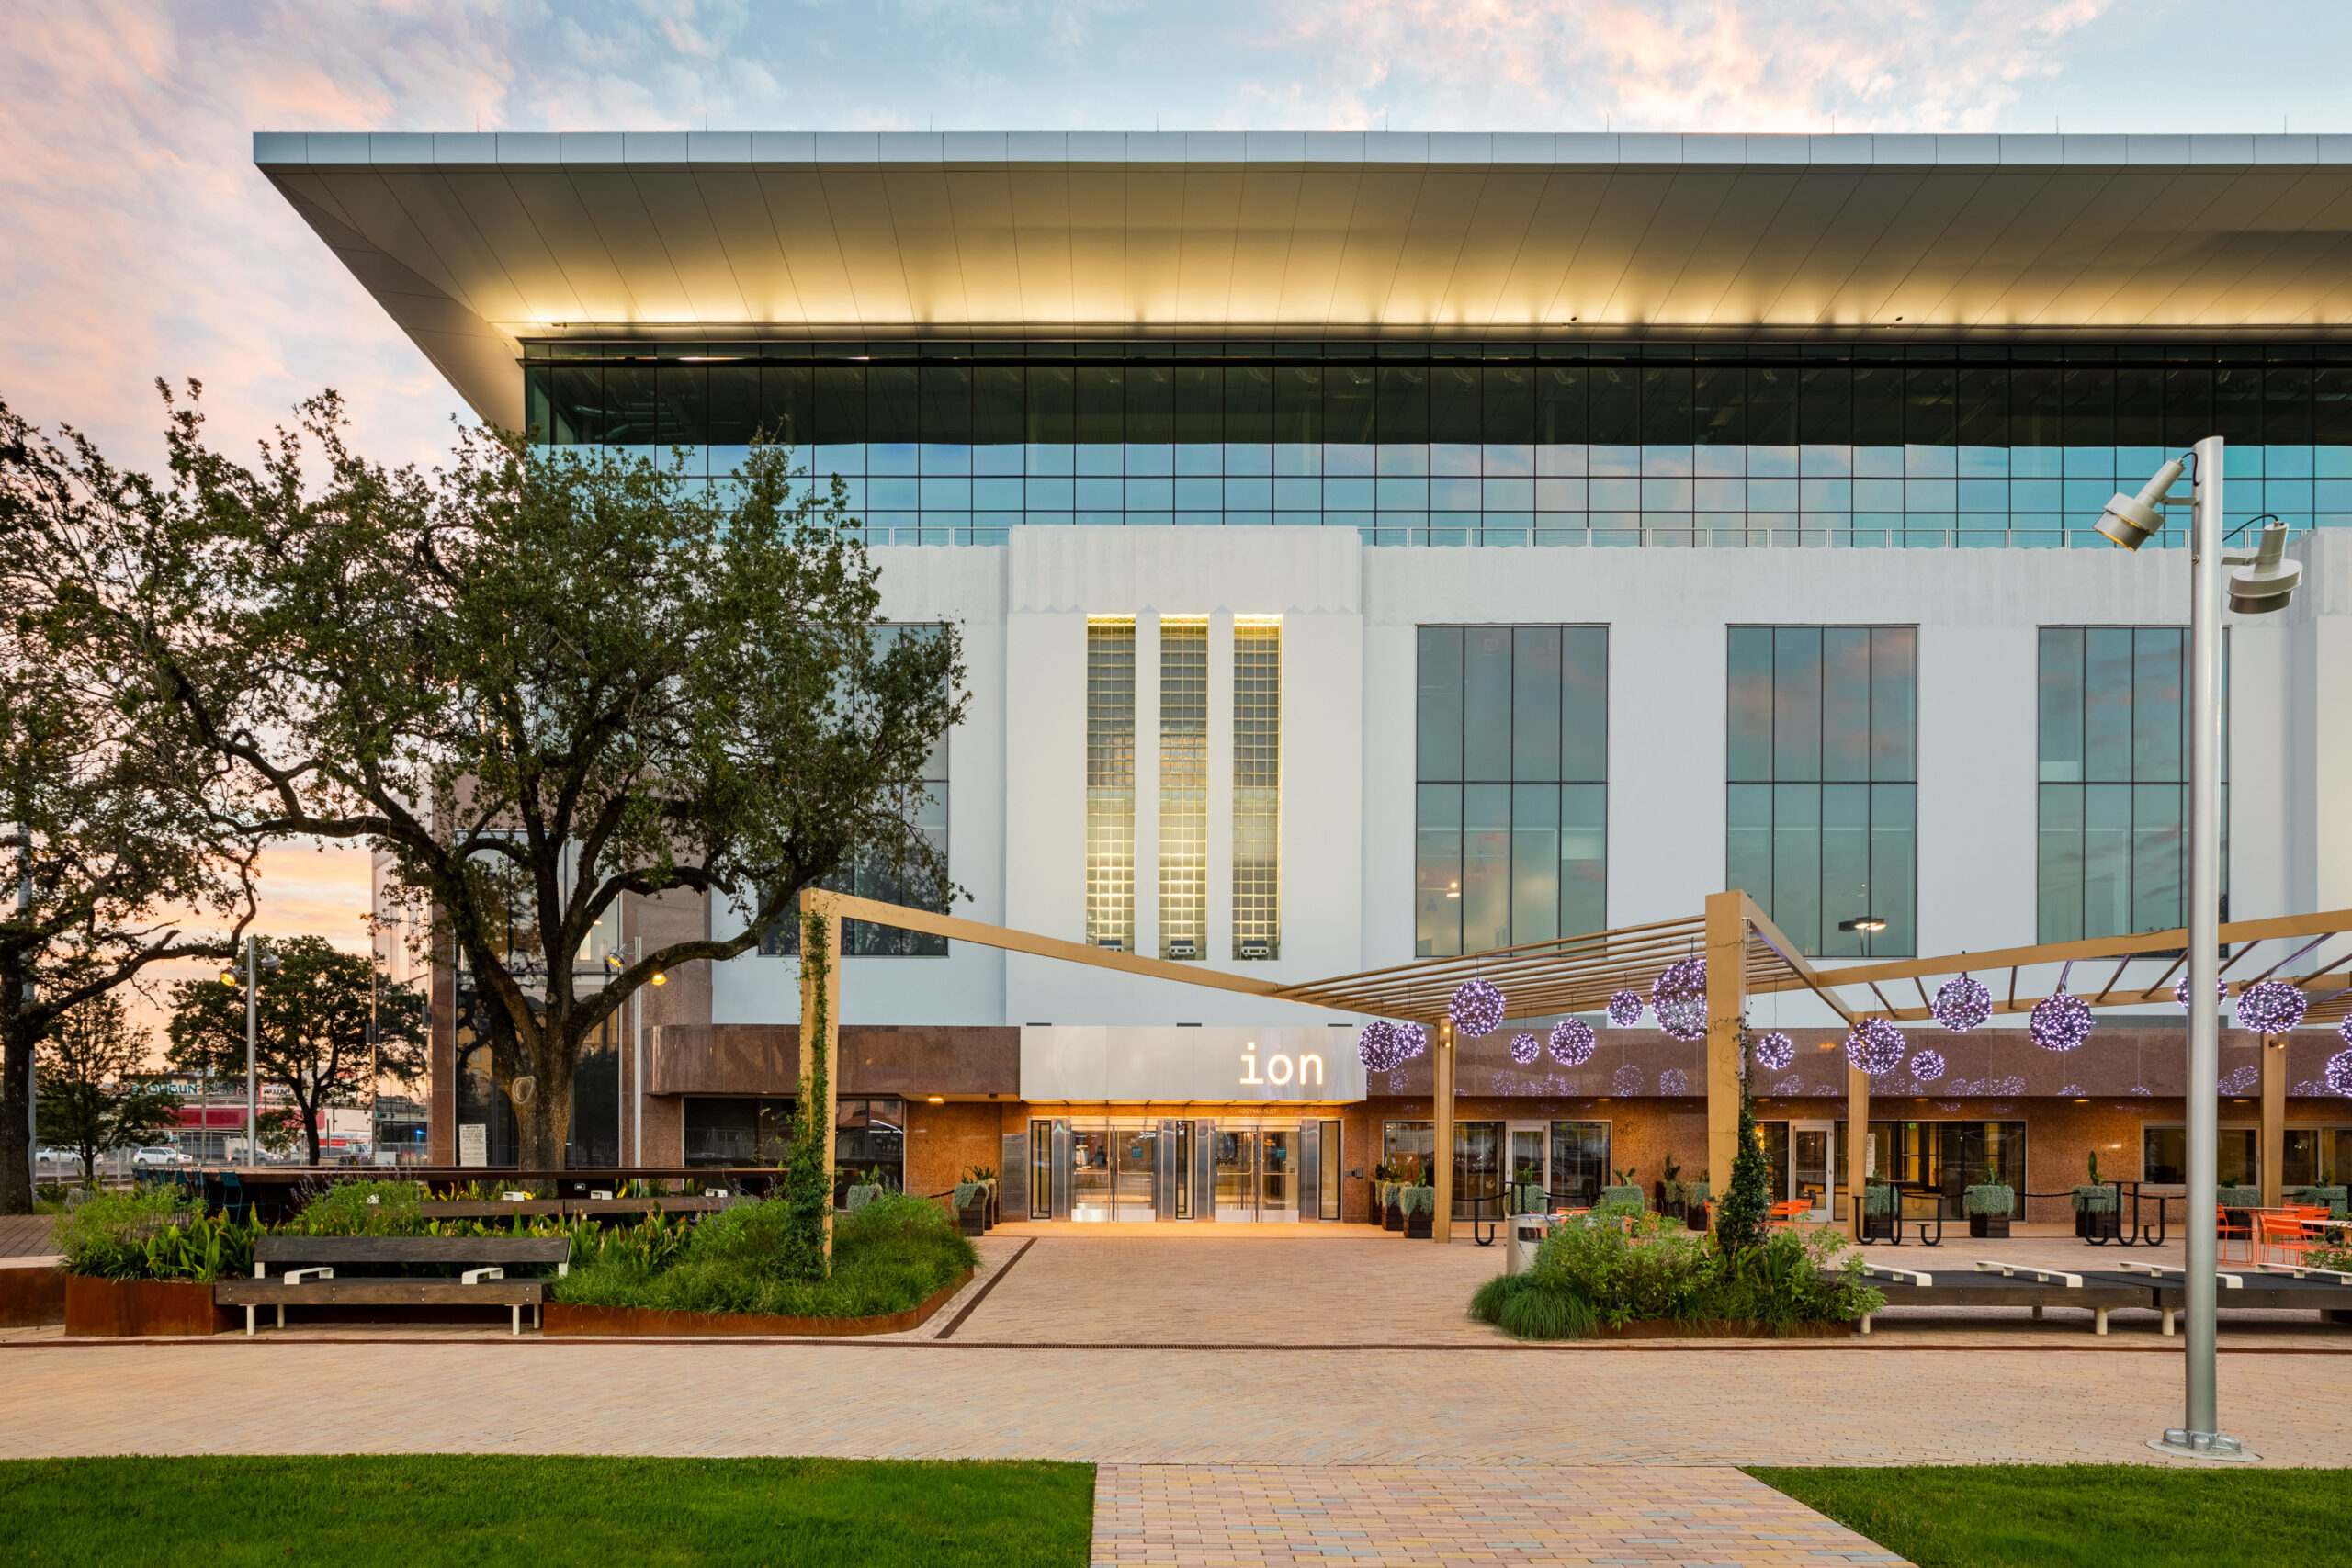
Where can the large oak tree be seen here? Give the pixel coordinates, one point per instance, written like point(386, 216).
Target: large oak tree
point(118, 856)
point(539, 680)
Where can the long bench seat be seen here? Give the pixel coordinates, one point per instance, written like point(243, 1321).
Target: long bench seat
point(310, 1279)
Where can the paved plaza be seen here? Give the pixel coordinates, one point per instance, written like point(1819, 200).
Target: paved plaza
point(1251, 1397)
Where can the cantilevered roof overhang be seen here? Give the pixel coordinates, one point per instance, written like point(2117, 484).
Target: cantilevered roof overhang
point(473, 243)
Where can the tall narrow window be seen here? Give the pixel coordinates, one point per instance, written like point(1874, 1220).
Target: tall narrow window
point(2113, 836)
point(1257, 787)
point(1110, 781)
point(1824, 782)
point(1183, 785)
point(1512, 815)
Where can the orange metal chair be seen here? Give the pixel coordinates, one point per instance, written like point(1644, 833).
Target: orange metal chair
point(2281, 1233)
point(2222, 1233)
point(1788, 1212)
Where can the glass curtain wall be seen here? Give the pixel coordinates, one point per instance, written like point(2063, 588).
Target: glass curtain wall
point(1110, 781)
point(2113, 840)
point(1257, 787)
point(1183, 785)
point(1822, 795)
point(1512, 804)
point(1554, 443)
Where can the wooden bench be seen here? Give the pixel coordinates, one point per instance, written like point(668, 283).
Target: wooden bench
point(310, 1263)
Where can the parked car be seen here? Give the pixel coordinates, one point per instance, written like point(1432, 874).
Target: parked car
point(152, 1156)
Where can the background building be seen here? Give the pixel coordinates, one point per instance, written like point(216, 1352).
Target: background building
point(1371, 546)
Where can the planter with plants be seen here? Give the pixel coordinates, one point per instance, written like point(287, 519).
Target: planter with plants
point(1988, 1209)
point(970, 1203)
point(1388, 1182)
point(1420, 1206)
point(2233, 1194)
point(1696, 1196)
point(1527, 1198)
point(1622, 1196)
point(1882, 1211)
point(2098, 1209)
point(1669, 1192)
point(863, 1192)
point(136, 1264)
point(2324, 1195)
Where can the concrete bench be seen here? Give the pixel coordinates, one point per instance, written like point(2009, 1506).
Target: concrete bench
point(309, 1280)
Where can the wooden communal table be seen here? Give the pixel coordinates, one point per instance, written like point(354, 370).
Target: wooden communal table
point(564, 1207)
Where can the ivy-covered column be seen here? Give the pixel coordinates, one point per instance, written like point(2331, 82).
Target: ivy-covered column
point(812, 1167)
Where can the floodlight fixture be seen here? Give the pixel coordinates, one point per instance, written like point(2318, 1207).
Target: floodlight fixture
point(1863, 923)
point(2268, 580)
point(2130, 521)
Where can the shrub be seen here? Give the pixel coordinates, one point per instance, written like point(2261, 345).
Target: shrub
point(1530, 1306)
point(361, 1208)
point(1990, 1199)
point(144, 1234)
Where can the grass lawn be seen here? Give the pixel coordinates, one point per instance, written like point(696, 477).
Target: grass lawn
point(424, 1510)
point(2085, 1516)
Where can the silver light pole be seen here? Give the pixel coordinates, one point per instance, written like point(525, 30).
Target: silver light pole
point(252, 1036)
point(24, 837)
point(2129, 521)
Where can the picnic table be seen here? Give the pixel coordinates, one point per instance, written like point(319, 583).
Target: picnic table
point(309, 1264)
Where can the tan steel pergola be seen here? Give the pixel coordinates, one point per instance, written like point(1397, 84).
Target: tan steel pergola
point(1746, 955)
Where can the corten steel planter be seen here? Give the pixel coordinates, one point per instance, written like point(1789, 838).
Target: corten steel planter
point(974, 1217)
point(564, 1319)
point(130, 1309)
point(30, 1297)
point(1668, 1329)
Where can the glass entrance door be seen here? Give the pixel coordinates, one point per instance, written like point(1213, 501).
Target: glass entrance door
point(1278, 1173)
point(1811, 1157)
point(1137, 1154)
point(1235, 1153)
point(1255, 1172)
point(1527, 1155)
point(1092, 1190)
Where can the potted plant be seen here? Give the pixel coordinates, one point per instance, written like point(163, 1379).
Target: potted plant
point(1527, 1198)
point(1622, 1196)
point(1670, 1190)
point(866, 1189)
point(970, 1202)
point(1882, 1211)
point(2323, 1193)
point(2097, 1215)
point(136, 1264)
point(1390, 1183)
point(1419, 1205)
point(1696, 1196)
point(1988, 1209)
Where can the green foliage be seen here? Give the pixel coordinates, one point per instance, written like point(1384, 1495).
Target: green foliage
point(360, 1208)
point(2120, 1515)
point(1659, 1273)
point(2093, 1200)
point(90, 1102)
point(887, 1257)
point(1740, 1217)
point(313, 1013)
point(1417, 1201)
point(2324, 1195)
point(145, 1234)
point(519, 1511)
point(808, 1185)
point(1882, 1198)
point(1620, 1201)
point(2236, 1195)
point(2094, 1181)
point(1989, 1199)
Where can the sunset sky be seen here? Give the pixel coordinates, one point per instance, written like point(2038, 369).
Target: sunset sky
point(140, 241)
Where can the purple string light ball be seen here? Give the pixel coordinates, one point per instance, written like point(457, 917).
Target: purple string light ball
point(1411, 1041)
point(1875, 1046)
point(1377, 1046)
point(1626, 1079)
point(1525, 1048)
point(1572, 1043)
point(1679, 998)
point(2058, 1022)
point(1476, 1007)
point(1961, 1003)
point(2180, 993)
point(2343, 1031)
point(1775, 1051)
point(1625, 1008)
point(1927, 1066)
point(2340, 1068)
point(1674, 1080)
point(2273, 1006)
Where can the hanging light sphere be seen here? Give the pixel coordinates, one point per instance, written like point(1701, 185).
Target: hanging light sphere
point(2180, 993)
point(2272, 1006)
point(1679, 998)
point(1525, 1048)
point(2339, 1070)
point(1626, 1079)
point(2343, 1031)
point(1625, 1008)
point(1572, 1043)
point(1377, 1046)
point(1961, 1003)
point(1875, 1046)
point(1775, 1051)
point(1411, 1041)
point(2058, 1022)
point(1674, 1080)
point(1927, 1066)
point(1476, 1007)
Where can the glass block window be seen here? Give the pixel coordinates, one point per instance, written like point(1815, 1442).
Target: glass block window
point(1257, 787)
point(1183, 785)
point(2112, 844)
point(1512, 804)
point(1822, 823)
point(1110, 781)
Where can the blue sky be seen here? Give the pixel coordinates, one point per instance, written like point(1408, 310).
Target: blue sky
point(138, 240)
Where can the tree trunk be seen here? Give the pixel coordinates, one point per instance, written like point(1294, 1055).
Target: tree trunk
point(543, 1128)
point(16, 1130)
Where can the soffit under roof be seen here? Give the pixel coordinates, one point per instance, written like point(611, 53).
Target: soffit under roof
point(475, 243)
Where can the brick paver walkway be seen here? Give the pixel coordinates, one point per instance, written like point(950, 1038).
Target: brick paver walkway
point(1150, 1516)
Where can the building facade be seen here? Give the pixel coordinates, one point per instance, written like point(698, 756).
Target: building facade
point(1374, 548)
